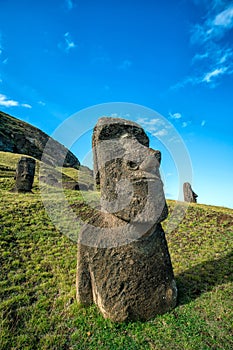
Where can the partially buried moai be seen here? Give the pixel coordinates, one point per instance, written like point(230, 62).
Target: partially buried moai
point(123, 261)
point(189, 195)
point(24, 175)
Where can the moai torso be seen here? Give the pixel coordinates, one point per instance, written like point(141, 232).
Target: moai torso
point(24, 175)
point(123, 261)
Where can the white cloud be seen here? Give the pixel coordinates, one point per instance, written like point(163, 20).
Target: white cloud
point(26, 105)
point(160, 133)
point(175, 115)
point(150, 122)
point(184, 124)
point(4, 101)
point(5, 61)
point(225, 18)
point(150, 125)
point(67, 44)
point(155, 126)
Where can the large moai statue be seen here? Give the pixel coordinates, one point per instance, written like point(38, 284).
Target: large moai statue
point(124, 265)
point(189, 195)
point(24, 175)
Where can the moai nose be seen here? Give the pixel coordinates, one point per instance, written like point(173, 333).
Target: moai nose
point(148, 164)
point(151, 162)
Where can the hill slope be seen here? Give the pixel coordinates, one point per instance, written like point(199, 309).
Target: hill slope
point(17, 136)
point(37, 281)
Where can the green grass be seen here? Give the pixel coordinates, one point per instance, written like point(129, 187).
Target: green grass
point(38, 309)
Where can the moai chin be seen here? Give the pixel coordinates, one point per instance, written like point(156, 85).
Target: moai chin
point(124, 266)
point(24, 175)
point(189, 195)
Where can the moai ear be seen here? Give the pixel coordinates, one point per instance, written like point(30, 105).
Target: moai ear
point(158, 156)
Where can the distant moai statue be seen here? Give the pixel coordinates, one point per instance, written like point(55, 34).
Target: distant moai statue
point(123, 263)
point(24, 175)
point(189, 195)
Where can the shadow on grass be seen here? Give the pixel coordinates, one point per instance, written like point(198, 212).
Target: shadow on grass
point(204, 277)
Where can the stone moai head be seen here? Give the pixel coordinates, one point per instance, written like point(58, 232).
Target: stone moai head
point(189, 195)
point(24, 175)
point(127, 171)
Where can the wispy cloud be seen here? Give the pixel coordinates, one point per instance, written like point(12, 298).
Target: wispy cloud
point(210, 37)
point(215, 25)
point(208, 77)
point(42, 103)
point(26, 105)
point(175, 115)
point(203, 123)
point(67, 44)
point(156, 126)
point(125, 65)
point(69, 4)
point(6, 102)
point(185, 124)
point(151, 125)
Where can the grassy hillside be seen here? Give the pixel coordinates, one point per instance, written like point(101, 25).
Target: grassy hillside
point(37, 281)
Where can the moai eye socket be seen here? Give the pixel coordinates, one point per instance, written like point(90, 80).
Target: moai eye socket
point(132, 165)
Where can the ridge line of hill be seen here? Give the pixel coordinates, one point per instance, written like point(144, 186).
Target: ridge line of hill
point(17, 136)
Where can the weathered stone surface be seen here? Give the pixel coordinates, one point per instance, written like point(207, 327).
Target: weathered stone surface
point(71, 185)
point(123, 260)
point(49, 179)
point(105, 131)
point(189, 195)
point(24, 175)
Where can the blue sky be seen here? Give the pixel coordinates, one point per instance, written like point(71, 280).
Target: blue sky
point(175, 57)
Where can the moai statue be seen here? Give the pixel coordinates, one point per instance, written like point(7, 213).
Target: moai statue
point(189, 195)
point(124, 266)
point(24, 175)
